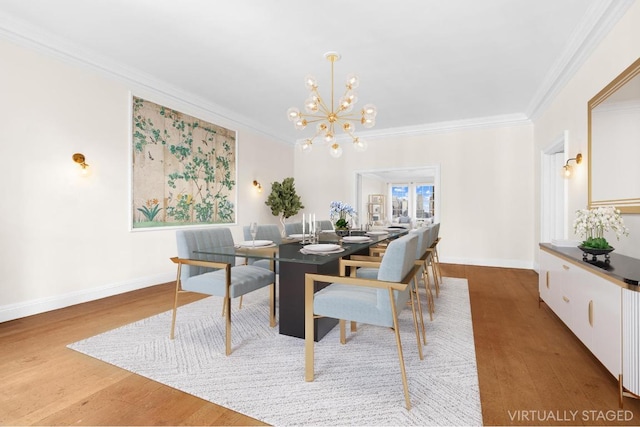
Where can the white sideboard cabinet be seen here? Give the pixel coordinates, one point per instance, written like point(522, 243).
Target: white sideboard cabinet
point(599, 306)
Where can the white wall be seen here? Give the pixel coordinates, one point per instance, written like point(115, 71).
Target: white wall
point(616, 52)
point(66, 239)
point(487, 185)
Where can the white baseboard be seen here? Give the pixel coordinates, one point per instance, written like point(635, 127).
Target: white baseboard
point(41, 305)
point(505, 263)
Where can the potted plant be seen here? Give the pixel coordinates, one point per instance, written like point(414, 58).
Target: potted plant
point(339, 213)
point(591, 224)
point(283, 200)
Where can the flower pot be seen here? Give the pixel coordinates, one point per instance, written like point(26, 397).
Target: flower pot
point(341, 232)
point(594, 252)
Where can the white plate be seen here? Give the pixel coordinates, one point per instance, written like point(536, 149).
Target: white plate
point(327, 231)
point(251, 243)
point(377, 233)
point(322, 247)
point(304, 251)
point(298, 236)
point(356, 239)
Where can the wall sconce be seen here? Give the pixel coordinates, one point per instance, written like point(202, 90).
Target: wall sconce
point(79, 159)
point(257, 186)
point(567, 169)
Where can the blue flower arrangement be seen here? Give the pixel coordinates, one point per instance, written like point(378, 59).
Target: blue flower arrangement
point(339, 212)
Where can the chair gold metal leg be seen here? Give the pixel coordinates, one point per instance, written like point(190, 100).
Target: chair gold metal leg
point(427, 287)
point(354, 327)
point(175, 303)
point(272, 305)
point(240, 305)
point(308, 330)
point(414, 290)
point(436, 282)
point(399, 345)
point(227, 300)
point(415, 324)
point(343, 332)
point(224, 306)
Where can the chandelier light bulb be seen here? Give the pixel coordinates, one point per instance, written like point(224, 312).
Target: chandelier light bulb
point(368, 122)
point(293, 113)
point(306, 146)
point(329, 138)
point(359, 144)
point(353, 81)
point(300, 124)
point(310, 82)
point(335, 150)
point(369, 111)
point(311, 105)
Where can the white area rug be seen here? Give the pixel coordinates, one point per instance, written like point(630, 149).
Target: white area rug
point(356, 384)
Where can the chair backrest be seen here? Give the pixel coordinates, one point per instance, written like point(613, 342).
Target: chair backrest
point(202, 239)
point(397, 262)
point(436, 231)
point(265, 232)
point(404, 220)
point(423, 240)
point(324, 224)
point(293, 228)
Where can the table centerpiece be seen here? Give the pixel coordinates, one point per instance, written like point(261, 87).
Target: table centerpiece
point(340, 213)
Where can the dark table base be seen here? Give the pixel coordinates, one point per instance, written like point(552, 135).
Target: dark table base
point(291, 298)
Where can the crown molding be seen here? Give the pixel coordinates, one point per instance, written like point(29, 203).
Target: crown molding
point(518, 119)
point(597, 23)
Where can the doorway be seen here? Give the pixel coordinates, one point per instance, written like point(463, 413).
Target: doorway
point(553, 191)
point(380, 182)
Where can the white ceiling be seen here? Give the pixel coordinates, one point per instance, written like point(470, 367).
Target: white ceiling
point(426, 64)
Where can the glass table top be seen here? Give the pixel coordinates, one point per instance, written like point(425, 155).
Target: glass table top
point(290, 249)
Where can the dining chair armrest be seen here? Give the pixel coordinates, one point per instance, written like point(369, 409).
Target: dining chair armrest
point(199, 263)
point(355, 281)
point(344, 263)
point(377, 251)
point(365, 258)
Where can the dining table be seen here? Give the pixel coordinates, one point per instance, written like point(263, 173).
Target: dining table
point(295, 258)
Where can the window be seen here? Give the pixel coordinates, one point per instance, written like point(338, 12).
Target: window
point(415, 201)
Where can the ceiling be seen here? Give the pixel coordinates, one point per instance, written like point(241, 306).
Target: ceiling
point(425, 64)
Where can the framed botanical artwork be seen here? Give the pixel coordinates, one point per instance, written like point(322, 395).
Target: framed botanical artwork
point(183, 169)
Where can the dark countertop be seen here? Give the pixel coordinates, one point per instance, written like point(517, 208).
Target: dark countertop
point(620, 267)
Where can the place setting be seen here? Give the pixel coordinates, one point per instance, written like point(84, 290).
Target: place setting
point(356, 239)
point(321, 249)
point(250, 244)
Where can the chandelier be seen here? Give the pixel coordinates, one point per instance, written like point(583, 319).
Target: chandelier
point(329, 117)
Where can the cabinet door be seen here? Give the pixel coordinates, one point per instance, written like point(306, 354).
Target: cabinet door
point(607, 324)
point(543, 277)
point(582, 302)
point(557, 292)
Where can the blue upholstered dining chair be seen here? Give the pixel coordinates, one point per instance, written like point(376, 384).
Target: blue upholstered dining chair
point(264, 232)
point(324, 224)
point(293, 228)
point(372, 301)
point(420, 259)
point(217, 274)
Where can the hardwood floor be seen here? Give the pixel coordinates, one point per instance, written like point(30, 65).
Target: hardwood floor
point(532, 370)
